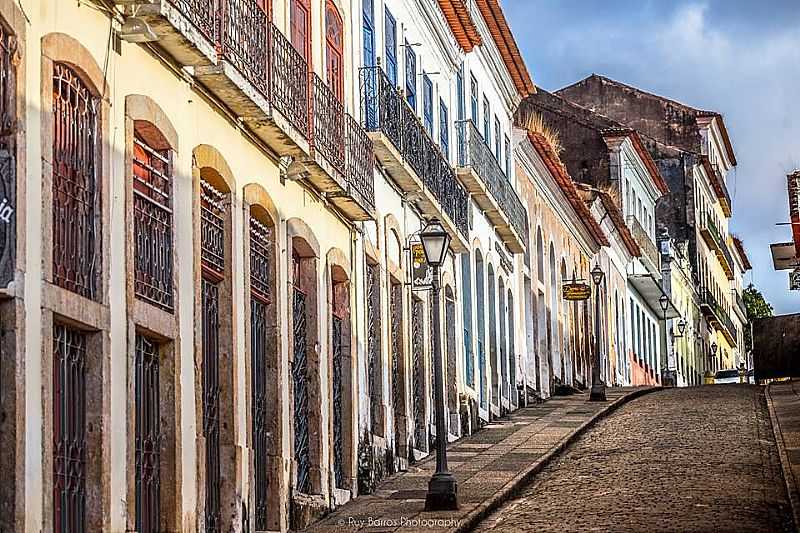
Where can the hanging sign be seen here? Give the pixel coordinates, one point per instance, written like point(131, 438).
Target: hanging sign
point(794, 280)
point(421, 272)
point(575, 292)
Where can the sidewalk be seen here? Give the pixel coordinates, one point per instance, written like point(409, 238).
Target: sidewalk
point(489, 466)
point(783, 399)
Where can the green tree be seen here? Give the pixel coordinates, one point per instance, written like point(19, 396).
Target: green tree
point(757, 307)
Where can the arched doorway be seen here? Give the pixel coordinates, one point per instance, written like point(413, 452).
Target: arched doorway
point(481, 312)
point(451, 379)
point(492, 301)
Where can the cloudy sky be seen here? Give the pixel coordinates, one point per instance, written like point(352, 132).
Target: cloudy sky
point(738, 57)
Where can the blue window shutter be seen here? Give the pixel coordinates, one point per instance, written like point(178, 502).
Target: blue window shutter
point(444, 133)
point(427, 103)
point(390, 29)
point(369, 34)
point(411, 76)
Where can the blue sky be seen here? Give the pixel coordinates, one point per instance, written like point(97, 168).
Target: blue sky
point(741, 58)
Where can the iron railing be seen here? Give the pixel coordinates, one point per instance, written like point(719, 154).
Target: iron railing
point(385, 110)
point(708, 299)
point(288, 81)
point(418, 355)
point(260, 406)
point(244, 38)
point(359, 161)
point(148, 435)
point(260, 259)
point(152, 223)
point(721, 245)
point(302, 453)
point(646, 244)
point(338, 402)
point(69, 429)
point(473, 152)
point(76, 194)
point(202, 14)
point(374, 345)
point(328, 116)
point(212, 228)
point(211, 407)
point(396, 325)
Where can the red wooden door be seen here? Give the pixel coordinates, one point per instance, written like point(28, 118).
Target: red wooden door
point(300, 23)
point(334, 49)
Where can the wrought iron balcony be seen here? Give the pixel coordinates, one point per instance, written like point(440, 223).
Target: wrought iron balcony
point(721, 189)
point(650, 255)
point(246, 62)
point(715, 241)
point(741, 309)
point(411, 157)
point(717, 315)
point(482, 176)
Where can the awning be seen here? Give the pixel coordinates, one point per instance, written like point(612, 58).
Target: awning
point(784, 256)
point(651, 292)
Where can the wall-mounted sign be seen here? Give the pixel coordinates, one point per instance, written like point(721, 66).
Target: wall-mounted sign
point(421, 272)
point(574, 291)
point(794, 280)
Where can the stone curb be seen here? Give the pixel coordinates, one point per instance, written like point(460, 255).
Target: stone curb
point(510, 489)
point(788, 476)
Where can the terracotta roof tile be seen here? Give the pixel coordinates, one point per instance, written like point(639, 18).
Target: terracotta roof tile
point(619, 222)
point(501, 34)
point(461, 24)
point(556, 168)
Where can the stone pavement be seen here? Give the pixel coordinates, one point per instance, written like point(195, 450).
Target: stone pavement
point(690, 460)
point(488, 466)
point(784, 402)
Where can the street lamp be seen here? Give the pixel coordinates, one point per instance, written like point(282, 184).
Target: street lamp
point(442, 487)
point(598, 392)
point(666, 376)
point(709, 373)
point(681, 329)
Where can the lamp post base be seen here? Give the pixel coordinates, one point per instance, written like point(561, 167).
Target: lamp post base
point(442, 493)
point(598, 392)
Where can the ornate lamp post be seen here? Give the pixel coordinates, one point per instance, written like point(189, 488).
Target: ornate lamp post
point(668, 377)
point(709, 373)
point(442, 487)
point(598, 392)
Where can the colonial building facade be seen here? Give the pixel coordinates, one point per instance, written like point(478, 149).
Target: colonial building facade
point(214, 312)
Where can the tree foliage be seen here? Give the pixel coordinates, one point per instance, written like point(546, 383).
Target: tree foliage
point(757, 307)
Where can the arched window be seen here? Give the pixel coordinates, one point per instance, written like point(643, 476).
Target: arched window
point(481, 315)
point(334, 49)
point(263, 358)
point(540, 255)
point(552, 326)
point(512, 356)
point(76, 190)
point(466, 308)
point(492, 323)
point(152, 217)
point(341, 406)
point(503, 367)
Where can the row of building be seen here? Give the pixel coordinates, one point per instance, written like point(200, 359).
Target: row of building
point(213, 310)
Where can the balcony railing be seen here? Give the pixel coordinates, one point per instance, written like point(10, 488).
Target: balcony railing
point(385, 111)
point(649, 251)
point(245, 38)
point(719, 315)
point(328, 116)
point(475, 154)
point(739, 301)
point(722, 190)
point(202, 14)
point(720, 247)
point(245, 60)
point(359, 160)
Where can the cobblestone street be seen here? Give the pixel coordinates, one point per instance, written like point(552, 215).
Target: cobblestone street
point(698, 459)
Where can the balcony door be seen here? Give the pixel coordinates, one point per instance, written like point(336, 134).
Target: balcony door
point(334, 50)
point(300, 26)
